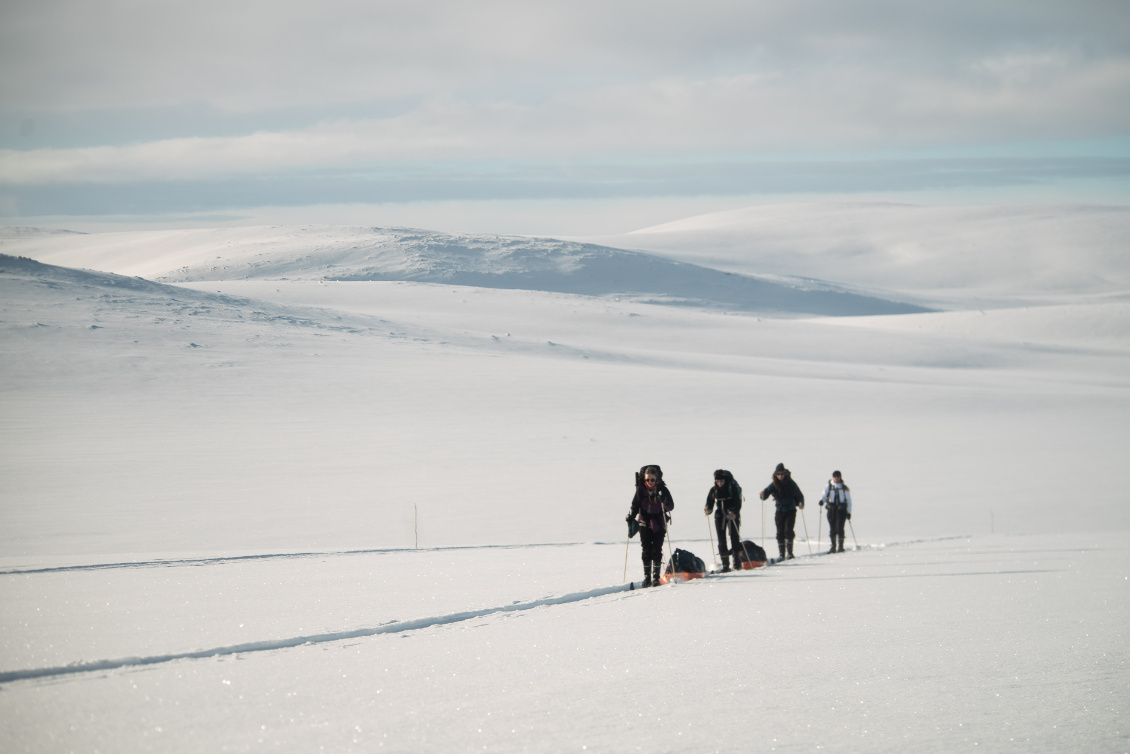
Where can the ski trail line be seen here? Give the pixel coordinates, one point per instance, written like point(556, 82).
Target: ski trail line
point(176, 562)
point(299, 641)
point(221, 559)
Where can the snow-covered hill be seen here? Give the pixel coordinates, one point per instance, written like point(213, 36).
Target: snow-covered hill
point(508, 262)
point(950, 257)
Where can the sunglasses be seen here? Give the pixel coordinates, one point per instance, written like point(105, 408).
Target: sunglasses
point(649, 479)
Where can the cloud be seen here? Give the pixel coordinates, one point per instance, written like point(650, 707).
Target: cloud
point(445, 98)
point(264, 54)
point(530, 182)
point(740, 115)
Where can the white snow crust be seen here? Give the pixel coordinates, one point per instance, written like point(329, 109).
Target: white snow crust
point(292, 504)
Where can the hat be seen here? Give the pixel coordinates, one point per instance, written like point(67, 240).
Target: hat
point(837, 474)
point(720, 474)
point(780, 468)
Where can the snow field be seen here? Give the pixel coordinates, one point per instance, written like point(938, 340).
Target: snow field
point(336, 428)
point(929, 645)
point(211, 494)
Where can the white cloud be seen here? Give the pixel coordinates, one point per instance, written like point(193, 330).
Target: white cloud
point(746, 114)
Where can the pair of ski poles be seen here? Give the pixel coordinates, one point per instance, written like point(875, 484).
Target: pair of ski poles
point(739, 536)
point(820, 521)
point(804, 520)
point(667, 536)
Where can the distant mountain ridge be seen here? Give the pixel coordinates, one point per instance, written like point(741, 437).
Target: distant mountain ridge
point(513, 262)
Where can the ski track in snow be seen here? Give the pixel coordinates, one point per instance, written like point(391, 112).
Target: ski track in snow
point(393, 627)
point(171, 563)
point(299, 641)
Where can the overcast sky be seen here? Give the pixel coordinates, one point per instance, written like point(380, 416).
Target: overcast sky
point(552, 117)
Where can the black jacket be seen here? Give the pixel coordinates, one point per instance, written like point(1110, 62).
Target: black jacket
point(785, 493)
point(728, 497)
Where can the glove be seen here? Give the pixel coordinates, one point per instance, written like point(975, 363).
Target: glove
point(821, 503)
point(761, 495)
point(801, 506)
point(849, 517)
point(629, 517)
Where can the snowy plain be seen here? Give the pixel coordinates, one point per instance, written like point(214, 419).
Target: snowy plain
point(348, 489)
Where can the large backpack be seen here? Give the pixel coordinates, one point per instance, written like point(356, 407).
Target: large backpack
point(640, 473)
point(735, 488)
point(750, 555)
point(684, 565)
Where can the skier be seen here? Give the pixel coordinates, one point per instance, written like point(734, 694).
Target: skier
point(727, 494)
point(837, 495)
point(788, 498)
point(651, 505)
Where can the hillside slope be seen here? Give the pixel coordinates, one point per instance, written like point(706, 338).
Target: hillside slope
point(506, 262)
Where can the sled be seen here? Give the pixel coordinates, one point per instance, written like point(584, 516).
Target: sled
point(683, 566)
point(757, 557)
point(667, 578)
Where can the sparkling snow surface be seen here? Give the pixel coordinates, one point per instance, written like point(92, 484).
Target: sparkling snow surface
point(289, 512)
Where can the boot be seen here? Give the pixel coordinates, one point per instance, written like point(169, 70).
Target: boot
point(656, 566)
point(841, 545)
point(726, 563)
point(781, 548)
point(833, 545)
point(789, 544)
point(646, 573)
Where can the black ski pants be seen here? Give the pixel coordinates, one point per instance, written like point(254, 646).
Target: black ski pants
point(785, 520)
point(652, 545)
point(837, 515)
point(724, 527)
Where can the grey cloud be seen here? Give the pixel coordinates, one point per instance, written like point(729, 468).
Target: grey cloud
point(72, 54)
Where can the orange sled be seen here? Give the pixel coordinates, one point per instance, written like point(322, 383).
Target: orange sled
point(749, 555)
point(680, 576)
point(683, 566)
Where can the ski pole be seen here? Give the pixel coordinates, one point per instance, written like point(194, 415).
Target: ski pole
point(712, 551)
point(627, 546)
point(738, 534)
point(853, 539)
point(804, 521)
point(667, 531)
point(763, 523)
point(819, 521)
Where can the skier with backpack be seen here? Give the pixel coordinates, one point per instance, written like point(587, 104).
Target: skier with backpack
point(837, 496)
point(725, 499)
point(650, 508)
point(788, 497)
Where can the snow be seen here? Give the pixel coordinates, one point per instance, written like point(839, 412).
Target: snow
point(994, 642)
point(288, 506)
point(992, 255)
